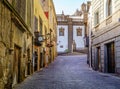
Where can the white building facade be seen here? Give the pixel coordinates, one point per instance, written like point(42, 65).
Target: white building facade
point(78, 39)
point(70, 32)
point(62, 41)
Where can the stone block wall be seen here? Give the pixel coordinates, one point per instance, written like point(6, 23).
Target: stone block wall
point(112, 35)
point(117, 51)
point(13, 34)
point(5, 43)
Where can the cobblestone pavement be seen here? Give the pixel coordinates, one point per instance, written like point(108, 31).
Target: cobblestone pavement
point(70, 72)
point(73, 53)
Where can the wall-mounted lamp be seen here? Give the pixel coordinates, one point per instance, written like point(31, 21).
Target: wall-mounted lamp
point(40, 38)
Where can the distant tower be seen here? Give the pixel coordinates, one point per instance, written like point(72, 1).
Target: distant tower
point(63, 15)
point(62, 12)
point(88, 5)
point(83, 7)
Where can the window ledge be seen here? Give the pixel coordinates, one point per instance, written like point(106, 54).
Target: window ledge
point(97, 27)
point(108, 19)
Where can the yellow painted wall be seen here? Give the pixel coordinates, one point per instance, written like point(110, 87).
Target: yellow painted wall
point(38, 12)
point(52, 26)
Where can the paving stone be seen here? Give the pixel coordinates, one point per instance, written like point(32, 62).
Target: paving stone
point(70, 72)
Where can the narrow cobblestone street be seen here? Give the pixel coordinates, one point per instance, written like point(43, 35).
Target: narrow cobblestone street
point(70, 72)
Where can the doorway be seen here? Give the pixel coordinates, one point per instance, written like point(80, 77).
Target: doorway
point(28, 63)
point(98, 59)
point(17, 65)
point(110, 58)
point(35, 61)
point(41, 60)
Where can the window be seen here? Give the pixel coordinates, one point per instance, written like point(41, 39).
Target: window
point(109, 7)
point(35, 24)
point(45, 28)
point(40, 25)
point(61, 46)
point(79, 31)
point(96, 18)
point(10, 1)
point(29, 8)
point(17, 5)
point(20, 7)
point(61, 31)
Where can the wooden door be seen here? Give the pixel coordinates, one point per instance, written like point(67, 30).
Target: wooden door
point(98, 59)
point(28, 63)
point(111, 58)
point(16, 65)
point(41, 60)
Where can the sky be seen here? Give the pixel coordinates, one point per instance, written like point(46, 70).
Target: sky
point(68, 6)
